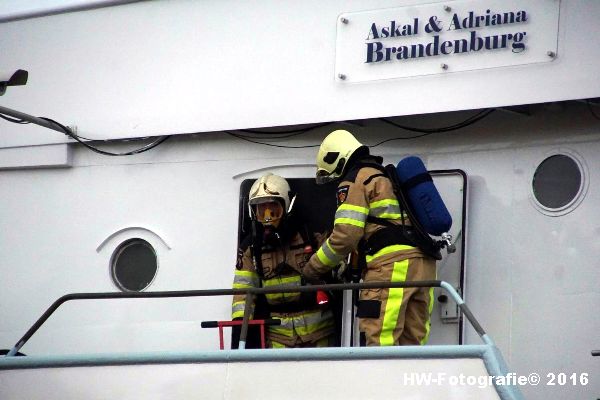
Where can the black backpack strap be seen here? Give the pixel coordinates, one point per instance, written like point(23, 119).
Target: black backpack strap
point(308, 238)
point(369, 179)
point(404, 235)
point(416, 180)
point(256, 249)
point(370, 161)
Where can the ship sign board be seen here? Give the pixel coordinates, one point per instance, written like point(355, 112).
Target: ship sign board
point(444, 38)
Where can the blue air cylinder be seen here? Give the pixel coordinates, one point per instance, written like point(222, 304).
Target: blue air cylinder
point(425, 200)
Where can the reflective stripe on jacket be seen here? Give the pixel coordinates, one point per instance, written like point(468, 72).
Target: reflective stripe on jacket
point(368, 194)
point(309, 324)
point(274, 274)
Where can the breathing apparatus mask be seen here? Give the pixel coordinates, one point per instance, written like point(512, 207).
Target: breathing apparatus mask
point(268, 212)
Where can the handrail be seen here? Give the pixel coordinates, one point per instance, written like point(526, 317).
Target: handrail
point(250, 292)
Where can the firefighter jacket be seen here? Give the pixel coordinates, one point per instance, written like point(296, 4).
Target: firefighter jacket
point(302, 320)
point(364, 192)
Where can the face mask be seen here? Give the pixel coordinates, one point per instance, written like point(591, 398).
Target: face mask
point(269, 213)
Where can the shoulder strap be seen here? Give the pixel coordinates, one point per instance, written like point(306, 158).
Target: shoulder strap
point(415, 180)
point(306, 239)
point(369, 179)
point(373, 162)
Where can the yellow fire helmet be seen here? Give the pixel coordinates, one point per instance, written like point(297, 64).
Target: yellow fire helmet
point(266, 190)
point(333, 155)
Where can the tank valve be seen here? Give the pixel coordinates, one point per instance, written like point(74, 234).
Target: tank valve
point(447, 239)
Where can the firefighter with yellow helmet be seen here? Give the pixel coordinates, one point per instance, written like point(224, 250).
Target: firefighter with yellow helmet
point(367, 209)
point(279, 248)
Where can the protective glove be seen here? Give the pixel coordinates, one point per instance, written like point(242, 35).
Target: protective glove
point(339, 272)
point(311, 276)
point(239, 264)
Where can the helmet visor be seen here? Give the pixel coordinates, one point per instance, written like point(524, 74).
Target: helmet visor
point(268, 212)
point(324, 176)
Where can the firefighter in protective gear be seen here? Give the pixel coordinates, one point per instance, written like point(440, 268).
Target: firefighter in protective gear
point(276, 255)
point(366, 204)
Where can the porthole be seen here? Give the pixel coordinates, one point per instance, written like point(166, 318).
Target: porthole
point(559, 183)
point(134, 265)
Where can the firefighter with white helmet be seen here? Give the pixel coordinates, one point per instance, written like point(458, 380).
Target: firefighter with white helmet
point(278, 250)
point(269, 199)
point(367, 213)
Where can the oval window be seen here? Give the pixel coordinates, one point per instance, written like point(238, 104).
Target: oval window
point(134, 265)
point(558, 182)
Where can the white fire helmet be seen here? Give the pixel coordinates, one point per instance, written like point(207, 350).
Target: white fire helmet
point(267, 189)
point(334, 153)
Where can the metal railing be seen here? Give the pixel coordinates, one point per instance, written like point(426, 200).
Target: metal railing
point(250, 293)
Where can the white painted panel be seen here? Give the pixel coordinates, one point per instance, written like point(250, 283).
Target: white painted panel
point(532, 279)
point(260, 380)
point(62, 226)
point(182, 381)
point(162, 67)
point(18, 9)
point(55, 155)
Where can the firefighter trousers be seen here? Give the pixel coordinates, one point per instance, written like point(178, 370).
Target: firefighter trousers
point(397, 316)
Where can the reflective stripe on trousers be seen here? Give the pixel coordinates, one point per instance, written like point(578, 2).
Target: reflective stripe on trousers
point(395, 297)
point(237, 309)
point(428, 323)
point(303, 324)
point(393, 304)
point(245, 279)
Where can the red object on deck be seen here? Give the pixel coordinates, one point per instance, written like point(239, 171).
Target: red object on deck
point(222, 324)
point(322, 298)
